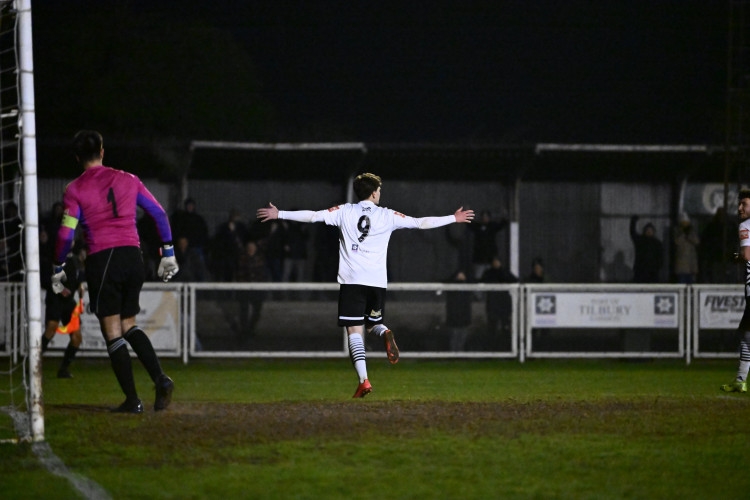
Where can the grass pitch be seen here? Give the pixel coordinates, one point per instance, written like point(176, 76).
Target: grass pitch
point(430, 429)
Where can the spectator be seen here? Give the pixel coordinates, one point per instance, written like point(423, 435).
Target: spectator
point(295, 252)
point(192, 267)
point(52, 219)
point(499, 305)
point(537, 271)
point(326, 243)
point(686, 244)
point(226, 247)
point(485, 241)
point(718, 241)
point(461, 239)
point(46, 257)
point(649, 255)
point(458, 313)
point(273, 247)
point(189, 223)
point(150, 244)
point(251, 267)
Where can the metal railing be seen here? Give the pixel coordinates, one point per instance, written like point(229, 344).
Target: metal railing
point(279, 320)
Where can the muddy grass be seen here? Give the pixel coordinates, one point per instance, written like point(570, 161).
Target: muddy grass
point(272, 422)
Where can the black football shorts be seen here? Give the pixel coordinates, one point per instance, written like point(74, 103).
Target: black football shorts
point(115, 277)
point(361, 305)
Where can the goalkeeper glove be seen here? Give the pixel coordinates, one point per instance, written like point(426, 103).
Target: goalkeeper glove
point(58, 276)
point(168, 266)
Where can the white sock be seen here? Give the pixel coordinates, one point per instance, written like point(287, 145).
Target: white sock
point(357, 355)
point(742, 372)
point(379, 330)
point(744, 358)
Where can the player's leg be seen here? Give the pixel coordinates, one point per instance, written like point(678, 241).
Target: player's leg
point(119, 357)
point(740, 382)
point(352, 302)
point(49, 332)
point(374, 322)
point(70, 354)
point(355, 337)
point(105, 299)
point(52, 313)
point(132, 275)
point(144, 349)
point(68, 307)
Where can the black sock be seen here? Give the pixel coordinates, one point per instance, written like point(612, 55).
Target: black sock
point(120, 358)
point(45, 342)
point(141, 344)
point(68, 357)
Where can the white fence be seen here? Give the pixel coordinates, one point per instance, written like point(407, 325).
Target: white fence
point(431, 320)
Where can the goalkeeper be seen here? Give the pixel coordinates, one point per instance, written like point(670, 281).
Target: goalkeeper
point(104, 201)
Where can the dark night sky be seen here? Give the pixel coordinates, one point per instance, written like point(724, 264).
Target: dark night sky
point(483, 72)
point(578, 71)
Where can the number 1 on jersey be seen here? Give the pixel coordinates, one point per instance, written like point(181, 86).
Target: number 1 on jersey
point(111, 199)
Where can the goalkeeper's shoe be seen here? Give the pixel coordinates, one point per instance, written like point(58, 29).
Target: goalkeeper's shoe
point(164, 388)
point(391, 349)
point(363, 389)
point(736, 386)
point(130, 407)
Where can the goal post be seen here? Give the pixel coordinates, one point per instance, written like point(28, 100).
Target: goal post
point(276, 147)
point(27, 128)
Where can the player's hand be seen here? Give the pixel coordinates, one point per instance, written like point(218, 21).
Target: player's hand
point(58, 276)
point(168, 265)
point(269, 213)
point(464, 215)
point(167, 268)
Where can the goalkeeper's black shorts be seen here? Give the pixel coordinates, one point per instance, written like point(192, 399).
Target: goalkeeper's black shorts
point(115, 277)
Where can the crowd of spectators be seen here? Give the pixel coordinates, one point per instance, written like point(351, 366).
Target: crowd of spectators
point(282, 246)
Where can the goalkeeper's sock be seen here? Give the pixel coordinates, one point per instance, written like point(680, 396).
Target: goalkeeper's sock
point(379, 330)
point(120, 358)
point(143, 348)
point(45, 342)
point(357, 355)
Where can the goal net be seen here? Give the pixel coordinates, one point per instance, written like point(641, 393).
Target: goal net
point(21, 416)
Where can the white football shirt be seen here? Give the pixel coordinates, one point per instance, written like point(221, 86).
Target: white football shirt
point(744, 237)
point(364, 232)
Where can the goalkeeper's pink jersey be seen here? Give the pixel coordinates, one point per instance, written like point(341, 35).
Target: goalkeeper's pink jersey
point(104, 201)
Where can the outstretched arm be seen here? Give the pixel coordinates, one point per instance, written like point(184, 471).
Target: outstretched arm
point(268, 213)
point(271, 212)
point(461, 215)
point(464, 215)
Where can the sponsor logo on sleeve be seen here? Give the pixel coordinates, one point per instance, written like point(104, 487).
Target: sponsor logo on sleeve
point(744, 234)
point(333, 209)
point(399, 214)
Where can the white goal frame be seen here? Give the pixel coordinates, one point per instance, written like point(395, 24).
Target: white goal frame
point(27, 127)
